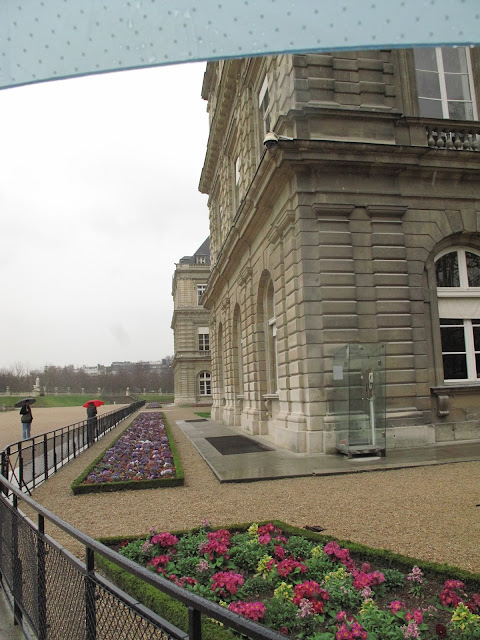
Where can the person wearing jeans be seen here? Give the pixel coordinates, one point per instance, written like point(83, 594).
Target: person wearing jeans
point(26, 418)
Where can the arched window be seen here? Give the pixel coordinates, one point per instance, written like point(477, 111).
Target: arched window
point(205, 383)
point(458, 292)
point(237, 351)
point(271, 333)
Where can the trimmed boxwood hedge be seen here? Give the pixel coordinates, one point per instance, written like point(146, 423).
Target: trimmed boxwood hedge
point(79, 485)
point(176, 613)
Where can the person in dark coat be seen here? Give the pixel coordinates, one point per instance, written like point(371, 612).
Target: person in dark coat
point(91, 421)
point(26, 418)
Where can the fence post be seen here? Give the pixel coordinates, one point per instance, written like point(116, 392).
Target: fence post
point(41, 580)
point(90, 609)
point(17, 567)
point(194, 624)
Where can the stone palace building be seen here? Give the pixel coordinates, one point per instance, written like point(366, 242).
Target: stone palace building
point(191, 329)
point(344, 199)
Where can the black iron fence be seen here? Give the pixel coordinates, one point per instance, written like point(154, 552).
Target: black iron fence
point(29, 462)
point(55, 596)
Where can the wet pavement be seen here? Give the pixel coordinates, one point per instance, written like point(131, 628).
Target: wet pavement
point(280, 463)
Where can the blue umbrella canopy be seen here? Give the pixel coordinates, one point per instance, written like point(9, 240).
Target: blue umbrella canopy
point(53, 39)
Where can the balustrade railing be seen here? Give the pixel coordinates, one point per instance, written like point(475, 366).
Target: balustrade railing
point(465, 138)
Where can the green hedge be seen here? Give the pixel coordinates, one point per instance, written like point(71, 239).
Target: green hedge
point(79, 486)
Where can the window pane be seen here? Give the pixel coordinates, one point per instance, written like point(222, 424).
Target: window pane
point(477, 364)
point(454, 59)
point(460, 111)
point(425, 58)
point(430, 108)
point(457, 87)
point(473, 269)
point(428, 84)
point(455, 367)
point(453, 339)
point(446, 269)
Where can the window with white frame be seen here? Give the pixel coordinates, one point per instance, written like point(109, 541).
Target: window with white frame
point(200, 259)
point(205, 383)
point(264, 106)
point(203, 339)
point(444, 83)
point(458, 292)
point(200, 291)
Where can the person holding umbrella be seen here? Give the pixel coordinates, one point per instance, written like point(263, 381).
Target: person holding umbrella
point(91, 407)
point(26, 416)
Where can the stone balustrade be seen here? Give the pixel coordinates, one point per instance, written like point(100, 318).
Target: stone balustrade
point(466, 138)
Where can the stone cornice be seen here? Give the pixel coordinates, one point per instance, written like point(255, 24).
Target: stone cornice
point(327, 210)
point(386, 210)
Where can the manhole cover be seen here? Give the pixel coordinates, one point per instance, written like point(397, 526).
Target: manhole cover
point(229, 445)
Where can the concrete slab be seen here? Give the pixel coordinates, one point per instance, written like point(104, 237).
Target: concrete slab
point(280, 463)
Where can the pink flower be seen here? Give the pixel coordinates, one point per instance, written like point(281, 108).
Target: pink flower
point(265, 539)
point(252, 610)
point(341, 615)
point(164, 539)
point(226, 582)
point(396, 605)
point(287, 566)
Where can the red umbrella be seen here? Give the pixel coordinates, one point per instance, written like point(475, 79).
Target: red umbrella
point(97, 403)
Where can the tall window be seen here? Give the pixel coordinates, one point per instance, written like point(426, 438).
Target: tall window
point(200, 291)
point(205, 383)
point(272, 350)
point(264, 106)
point(203, 339)
point(458, 292)
point(444, 82)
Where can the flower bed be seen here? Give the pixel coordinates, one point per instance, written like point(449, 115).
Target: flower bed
point(144, 456)
point(311, 587)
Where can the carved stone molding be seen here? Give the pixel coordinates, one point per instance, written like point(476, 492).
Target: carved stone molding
point(442, 406)
point(280, 225)
point(245, 276)
point(386, 210)
point(329, 210)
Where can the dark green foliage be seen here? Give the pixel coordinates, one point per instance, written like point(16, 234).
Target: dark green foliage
point(394, 579)
point(317, 567)
point(247, 558)
point(299, 547)
point(134, 551)
point(188, 545)
point(254, 586)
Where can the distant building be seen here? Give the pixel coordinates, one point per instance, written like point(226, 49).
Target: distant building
point(96, 370)
point(191, 329)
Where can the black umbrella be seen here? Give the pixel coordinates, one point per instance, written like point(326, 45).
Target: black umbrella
point(21, 403)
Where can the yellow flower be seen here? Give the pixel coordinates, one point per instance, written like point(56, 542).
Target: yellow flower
point(369, 605)
point(262, 569)
point(253, 529)
point(284, 592)
point(317, 552)
point(462, 617)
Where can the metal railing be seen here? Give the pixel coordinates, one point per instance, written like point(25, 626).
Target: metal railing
point(29, 462)
point(55, 596)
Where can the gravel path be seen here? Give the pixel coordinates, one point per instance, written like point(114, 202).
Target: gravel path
point(427, 512)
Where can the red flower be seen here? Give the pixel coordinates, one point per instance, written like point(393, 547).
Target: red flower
point(441, 631)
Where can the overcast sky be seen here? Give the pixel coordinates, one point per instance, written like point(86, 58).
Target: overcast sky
point(98, 201)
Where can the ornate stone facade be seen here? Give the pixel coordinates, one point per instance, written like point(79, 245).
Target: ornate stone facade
point(335, 236)
point(191, 329)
